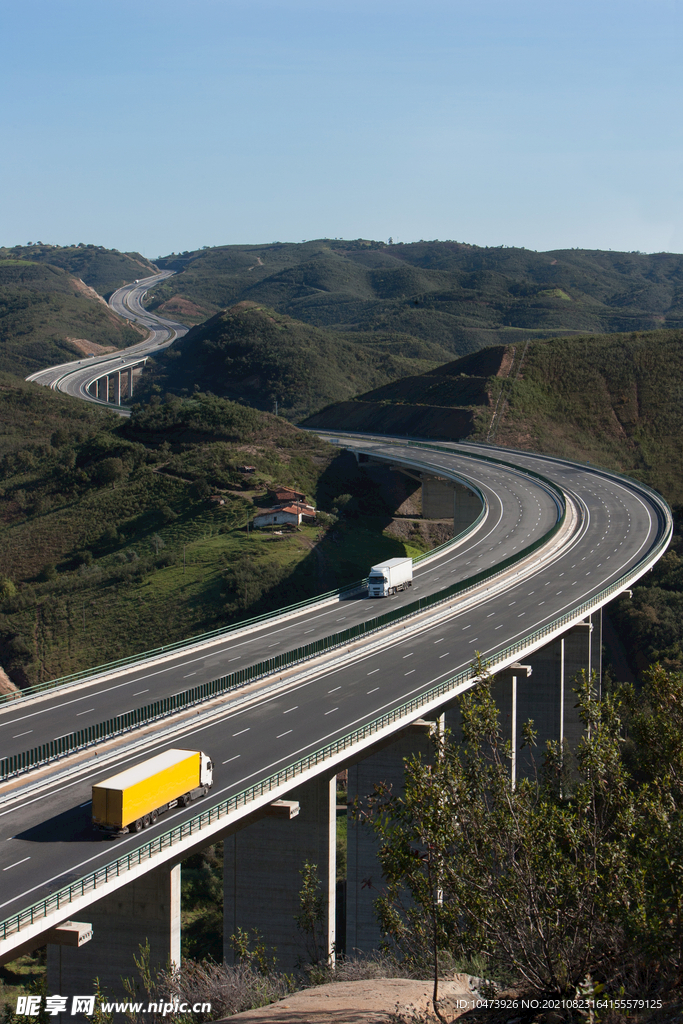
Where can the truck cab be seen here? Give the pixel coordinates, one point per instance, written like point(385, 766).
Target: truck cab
point(206, 771)
point(377, 583)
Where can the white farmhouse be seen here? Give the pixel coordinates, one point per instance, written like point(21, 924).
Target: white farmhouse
point(284, 515)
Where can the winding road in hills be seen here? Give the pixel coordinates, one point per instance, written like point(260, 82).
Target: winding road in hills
point(570, 536)
point(75, 377)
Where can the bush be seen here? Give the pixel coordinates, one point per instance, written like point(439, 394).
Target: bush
point(109, 538)
point(108, 471)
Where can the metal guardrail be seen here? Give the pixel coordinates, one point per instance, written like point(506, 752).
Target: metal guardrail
point(116, 868)
point(177, 645)
point(221, 631)
point(80, 739)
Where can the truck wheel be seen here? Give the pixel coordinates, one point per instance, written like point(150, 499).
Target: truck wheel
point(154, 815)
point(138, 825)
point(205, 790)
point(146, 821)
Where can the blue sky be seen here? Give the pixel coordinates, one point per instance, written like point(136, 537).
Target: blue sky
point(164, 125)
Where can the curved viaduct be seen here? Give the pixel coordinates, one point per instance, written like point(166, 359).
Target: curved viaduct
point(99, 378)
point(283, 703)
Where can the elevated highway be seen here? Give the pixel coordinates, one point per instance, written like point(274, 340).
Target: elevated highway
point(78, 377)
point(592, 533)
point(288, 700)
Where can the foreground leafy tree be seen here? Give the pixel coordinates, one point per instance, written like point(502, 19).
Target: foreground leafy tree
point(573, 873)
point(655, 749)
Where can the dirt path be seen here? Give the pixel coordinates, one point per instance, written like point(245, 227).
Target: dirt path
point(359, 1002)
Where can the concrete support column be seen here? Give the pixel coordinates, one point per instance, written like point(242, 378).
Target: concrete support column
point(103, 389)
point(130, 382)
point(146, 910)
point(262, 873)
point(363, 873)
point(466, 508)
point(117, 387)
point(582, 650)
point(438, 500)
point(442, 499)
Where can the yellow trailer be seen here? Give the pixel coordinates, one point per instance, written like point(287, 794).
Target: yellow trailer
point(135, 798)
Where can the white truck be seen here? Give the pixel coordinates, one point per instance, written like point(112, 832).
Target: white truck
point(390, 576)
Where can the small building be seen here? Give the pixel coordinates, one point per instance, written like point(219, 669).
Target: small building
point(286, 494)
point(289, 515)
point(308, 513)
point(246, 469)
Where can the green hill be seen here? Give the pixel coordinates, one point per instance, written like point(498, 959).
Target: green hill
point(613, 399)
point(461, 297)
point(110, 540)
point(105, 270)
point(46, 315)
point(255, 355)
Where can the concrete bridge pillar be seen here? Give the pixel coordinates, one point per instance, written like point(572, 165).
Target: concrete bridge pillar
point(540, 689)
point(438, 497)
point(466, 508)
point(364, 875)
point(116, 377)
point(262, 874)
point(443, 499)
point(130, 382)
point(546, 695)
point(103, 389)
point(147, 910)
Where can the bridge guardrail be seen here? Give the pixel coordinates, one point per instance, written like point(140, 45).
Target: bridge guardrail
point(80, 739)
point(88, 883)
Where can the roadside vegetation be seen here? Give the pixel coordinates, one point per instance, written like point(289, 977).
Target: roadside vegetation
point(115, 538)
point(568, 883)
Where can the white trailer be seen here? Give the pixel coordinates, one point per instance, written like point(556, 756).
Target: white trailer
point(390, 576)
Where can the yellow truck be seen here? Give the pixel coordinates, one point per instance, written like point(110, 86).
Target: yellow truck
point(134, 799)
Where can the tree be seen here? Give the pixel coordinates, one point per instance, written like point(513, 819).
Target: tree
point(655, 729)
point(545, 879)
point(311, 917)
point(109, 471)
